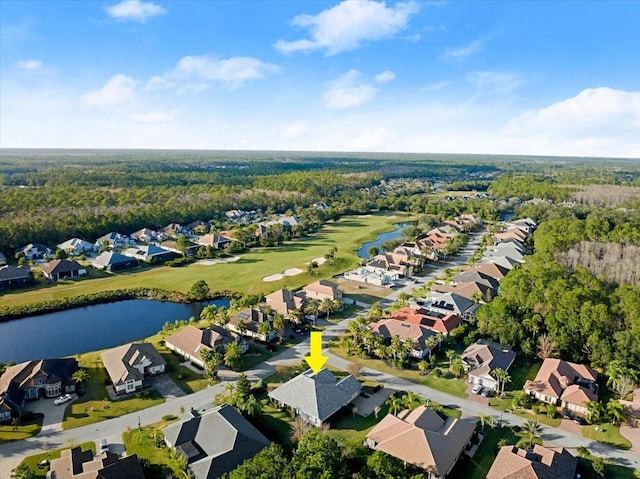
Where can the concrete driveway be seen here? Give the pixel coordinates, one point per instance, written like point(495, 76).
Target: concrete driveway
point(53, 414)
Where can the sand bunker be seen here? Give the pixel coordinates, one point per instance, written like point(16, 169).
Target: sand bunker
point(279, 276)
point(208, 262)
point(319, 261)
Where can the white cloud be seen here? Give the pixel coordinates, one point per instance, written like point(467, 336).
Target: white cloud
point(234, 71)
point(31, 65)
point(463, 52)
point(596, 122)
point(437, 86)
point(153, 117)
point(134, 10)
point(493, 83)
point(348, 91)
point(347, 25)
point(295, 130)
point(119, 90)
point(385, 77)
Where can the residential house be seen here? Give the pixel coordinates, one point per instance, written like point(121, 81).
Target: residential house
point(423, 439)
point(76, 247)
point(323, 289)
point(15, 276)
point(375, 278)
point(43, 378)
point(435, 321)
point(482, 358)
point(564, 384)
point(505, 249)
point(127, 366)
point(386, 262)
point(418, 334)
point(189, 248)
point(285, 302)
point(511, 233)
point(503, 261)
point(316, 397)
point(215, 442)
point(321, 205)
point(525, 224)
point(149, 253)
point(35, 251)
point(540, 463)
point(247, 323)
point(63, 268)
point(172, 230)
point(450, 303)
point(473, 290)
point(492, 270)
point(470, 276)
point(146, 235)
point(197, 226)
point(3, 259)
point(215, 240)
point(113, 240)
point(112, 261)
point(77, 464)
point(189, 341)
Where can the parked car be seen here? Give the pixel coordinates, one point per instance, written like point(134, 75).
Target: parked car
point(477, 389)
point(577, 419)
point(486, 392)
point(62, 399)
point(103, 445)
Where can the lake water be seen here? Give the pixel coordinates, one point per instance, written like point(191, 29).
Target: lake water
point(391, 235)
point(90, 328)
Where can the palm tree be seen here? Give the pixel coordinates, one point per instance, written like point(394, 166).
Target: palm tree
point(328, 306)
point(595, 411)
point(264, 328)
point(395, 404)
point(280, 323)
point(423, 366)
point(450, 355)
point(487, 420)
point(233, 355)
point(251, 406)
point(312, 307)
point(532, 430)
point(457, 366)
point(411, 400)
point(81, 376)
point(431, 342)
point(615, 411)
point(348, 343)
point(502, 377)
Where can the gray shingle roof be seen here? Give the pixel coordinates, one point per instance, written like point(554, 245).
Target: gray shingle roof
point(215, 442)
point(317, 395)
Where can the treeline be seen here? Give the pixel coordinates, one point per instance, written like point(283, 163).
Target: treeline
point(529, 186)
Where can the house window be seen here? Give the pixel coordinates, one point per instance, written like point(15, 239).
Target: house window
point(130, 385)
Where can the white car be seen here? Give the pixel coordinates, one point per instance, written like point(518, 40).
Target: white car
point(62, 399)
point(477, 389)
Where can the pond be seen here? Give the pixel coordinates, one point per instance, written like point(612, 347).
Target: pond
point(90, 328)
point(391, 235)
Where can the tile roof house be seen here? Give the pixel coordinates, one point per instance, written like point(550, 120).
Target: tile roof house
point(189, 341)
point(541, 463)
point(316, 397)
point(490, 269)
point(34, 379)
point(114, 240)
point(470, 276)
point(418, 334)
point(77, 464)
point(215, 442)
point(63, 268)
point(127, 365)
point(247, 323)
point(424, 439)
point(76, 246)
point(214, 240)
point(323, 289)
point(112, 261)
point(564, 384)
point(390, 262)
point(482, 357)
point(11, 276)
point(145, 235)
point(469, 290)
point(284, 301)
point(438, 322)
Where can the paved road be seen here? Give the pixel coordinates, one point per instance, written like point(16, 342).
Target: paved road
point(12, 453)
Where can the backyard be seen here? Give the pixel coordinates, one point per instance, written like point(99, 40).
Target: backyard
point(41, 472)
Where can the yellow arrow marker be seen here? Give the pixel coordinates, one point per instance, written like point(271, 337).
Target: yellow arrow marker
point(316, 360)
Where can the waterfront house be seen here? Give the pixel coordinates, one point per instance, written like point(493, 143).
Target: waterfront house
point(127, 365)
point(15, 276)
point(323, 289)
point(189, 341)
point(285, 302)
point(112, 261)
point(63, 268)
point(248, 323)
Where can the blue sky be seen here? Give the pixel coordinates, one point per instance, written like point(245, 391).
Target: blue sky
point(542, 78)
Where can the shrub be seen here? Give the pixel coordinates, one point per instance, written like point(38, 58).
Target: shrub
point(169, 417)
point(437, 372)
point(535, 408)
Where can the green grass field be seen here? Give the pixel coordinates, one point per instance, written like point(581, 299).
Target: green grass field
point(607, 434)
point(26, 428)
point(244, 275)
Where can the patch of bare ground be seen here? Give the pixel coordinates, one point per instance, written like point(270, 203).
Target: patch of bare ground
point(619, 263)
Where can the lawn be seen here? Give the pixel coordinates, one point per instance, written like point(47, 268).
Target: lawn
point(32, 461)
point(607, 434)
point(585, 469)
point(94, 405)
point(244, 275)
point(507, 403)
point(27, 428)
point(454, 386)
point(148, 443)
